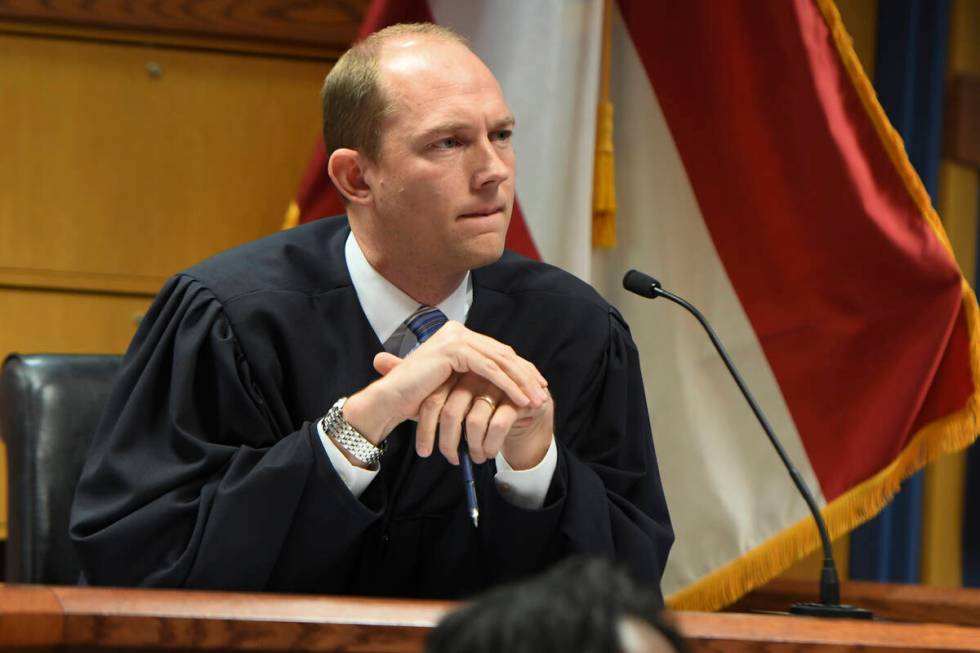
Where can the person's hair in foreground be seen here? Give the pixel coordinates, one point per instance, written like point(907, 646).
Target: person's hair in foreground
point(582, 605)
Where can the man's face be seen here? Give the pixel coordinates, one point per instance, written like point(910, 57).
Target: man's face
point(443, 188)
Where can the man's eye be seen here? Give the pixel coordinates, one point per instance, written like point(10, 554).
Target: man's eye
point(446, 143)
point(502, 135)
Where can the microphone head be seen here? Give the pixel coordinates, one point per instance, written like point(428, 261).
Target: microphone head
point(641, 284)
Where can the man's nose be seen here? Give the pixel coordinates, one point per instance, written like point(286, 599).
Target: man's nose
point(492, 164)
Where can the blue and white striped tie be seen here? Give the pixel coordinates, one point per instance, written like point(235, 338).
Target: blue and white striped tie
point(425, 322)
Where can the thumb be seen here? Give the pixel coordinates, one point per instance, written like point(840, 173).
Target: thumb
point(385, 362)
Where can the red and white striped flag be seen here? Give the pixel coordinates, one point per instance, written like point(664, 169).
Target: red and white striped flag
point(758, 177)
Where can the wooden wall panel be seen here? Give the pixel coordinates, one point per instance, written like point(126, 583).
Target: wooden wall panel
point(67, 322)
point(325, 25)
point(122, 163)
point(117, 177)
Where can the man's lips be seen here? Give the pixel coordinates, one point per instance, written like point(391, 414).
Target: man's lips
point(483, 212)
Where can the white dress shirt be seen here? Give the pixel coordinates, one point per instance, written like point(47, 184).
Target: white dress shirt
point(387, 308)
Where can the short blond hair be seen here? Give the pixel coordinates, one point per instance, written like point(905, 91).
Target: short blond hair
point(354, 103)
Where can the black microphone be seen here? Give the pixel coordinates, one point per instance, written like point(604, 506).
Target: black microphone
point(829, 605)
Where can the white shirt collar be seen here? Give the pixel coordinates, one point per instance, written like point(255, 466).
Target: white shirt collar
point(385, 305)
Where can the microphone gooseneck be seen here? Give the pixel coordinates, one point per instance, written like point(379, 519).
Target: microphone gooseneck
point(829, 606)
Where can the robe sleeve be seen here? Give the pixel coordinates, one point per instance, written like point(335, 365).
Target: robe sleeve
point(606, 497)
point(189, 481)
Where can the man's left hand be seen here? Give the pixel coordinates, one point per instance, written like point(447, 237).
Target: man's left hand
point(492, 423)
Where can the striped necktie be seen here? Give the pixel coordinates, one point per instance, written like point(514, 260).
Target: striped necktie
point(425, 322)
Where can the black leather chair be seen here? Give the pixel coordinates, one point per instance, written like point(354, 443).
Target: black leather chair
point(50, 405)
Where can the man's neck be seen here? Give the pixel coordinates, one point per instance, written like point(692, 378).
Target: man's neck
point(427, 285)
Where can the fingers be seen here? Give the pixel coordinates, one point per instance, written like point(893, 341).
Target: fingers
point(455, 410)
point(496, 362)
point(477, 420)
point(524, 373)
point(468, 401)
point(499, 427)
point(385, 362)
point(429, 411)
point(438, 385)
point(470, 360)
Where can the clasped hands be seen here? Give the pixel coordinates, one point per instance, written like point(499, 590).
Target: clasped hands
point(459, 378)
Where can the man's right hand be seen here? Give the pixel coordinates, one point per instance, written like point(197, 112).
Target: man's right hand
point(454, 350)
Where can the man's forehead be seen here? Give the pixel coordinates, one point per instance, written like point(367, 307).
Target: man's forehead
point(451, 110)
point(418, 55)
point(429, 63)
point(406, 51)
point(433, 82)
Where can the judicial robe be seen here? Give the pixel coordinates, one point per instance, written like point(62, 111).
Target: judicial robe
point(207, 470)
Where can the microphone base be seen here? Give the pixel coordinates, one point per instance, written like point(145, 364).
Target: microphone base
point(830, 611)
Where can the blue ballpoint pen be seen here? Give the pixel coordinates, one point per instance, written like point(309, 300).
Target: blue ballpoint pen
point(469, 483)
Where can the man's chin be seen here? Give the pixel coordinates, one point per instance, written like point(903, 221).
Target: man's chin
point(486, 250)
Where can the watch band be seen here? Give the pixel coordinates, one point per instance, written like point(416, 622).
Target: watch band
point(347, 436)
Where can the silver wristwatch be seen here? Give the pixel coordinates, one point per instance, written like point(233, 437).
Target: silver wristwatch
point(347, 436)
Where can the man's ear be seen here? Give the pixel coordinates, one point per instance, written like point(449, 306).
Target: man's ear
point(346, 170)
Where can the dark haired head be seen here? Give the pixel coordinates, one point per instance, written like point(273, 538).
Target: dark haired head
point(581, 605)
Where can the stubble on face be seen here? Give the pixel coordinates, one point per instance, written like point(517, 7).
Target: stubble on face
point(443, 187)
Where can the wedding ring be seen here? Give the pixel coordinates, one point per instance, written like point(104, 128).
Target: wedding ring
point(490, 402)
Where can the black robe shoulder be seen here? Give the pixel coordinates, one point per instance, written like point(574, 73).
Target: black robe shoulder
point(207, 471)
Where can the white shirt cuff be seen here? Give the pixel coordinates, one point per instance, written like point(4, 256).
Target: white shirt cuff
point(527, 488)
point(355, 478)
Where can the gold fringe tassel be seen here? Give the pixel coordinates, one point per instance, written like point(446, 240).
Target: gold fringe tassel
point(945, 435)
point(291, 219)
point(604, 168)
point(760, 565)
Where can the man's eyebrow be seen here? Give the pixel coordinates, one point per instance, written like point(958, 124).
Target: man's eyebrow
point(449, 127)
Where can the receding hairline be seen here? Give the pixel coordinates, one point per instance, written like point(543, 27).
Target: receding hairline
point(362, 62)
point(388, 50)
point(376, 40)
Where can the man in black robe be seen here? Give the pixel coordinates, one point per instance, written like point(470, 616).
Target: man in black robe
point(275, 422)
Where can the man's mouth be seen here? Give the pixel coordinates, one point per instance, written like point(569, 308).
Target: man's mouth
point(482, 213)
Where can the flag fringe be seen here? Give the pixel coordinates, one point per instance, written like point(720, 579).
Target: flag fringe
point(891, 139)
point(604, 181)
point(727, 584)
point(291, 219)
point(948, 434)
point(604, 166)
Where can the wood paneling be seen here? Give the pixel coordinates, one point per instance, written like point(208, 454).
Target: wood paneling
point(31, 617)
point(94, 619)
point(753, 633)
point(123, 163)
point(913, 603)
point(65, 322)
point(323, 27)
point(116, 174)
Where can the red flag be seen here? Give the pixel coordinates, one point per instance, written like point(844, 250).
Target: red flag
point(786, 208)
point(756, 175)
